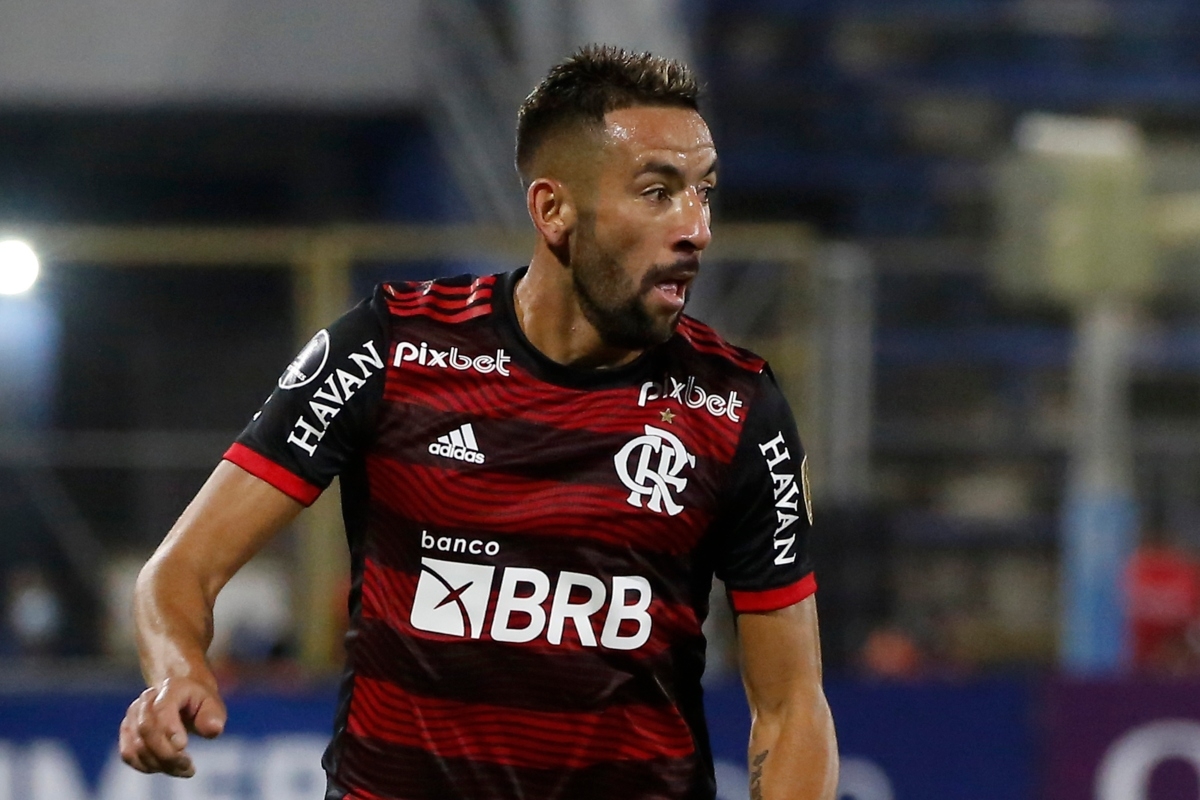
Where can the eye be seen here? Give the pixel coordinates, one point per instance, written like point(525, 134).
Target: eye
point(706, 193)
point(657, 194)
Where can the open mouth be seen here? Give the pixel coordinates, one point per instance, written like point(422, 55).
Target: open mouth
point(673, 292)
point(671, 285)
point(673, 288)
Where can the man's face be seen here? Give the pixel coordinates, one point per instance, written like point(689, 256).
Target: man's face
point(644, 223)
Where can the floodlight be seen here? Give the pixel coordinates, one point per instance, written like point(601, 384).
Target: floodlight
point(18, 266)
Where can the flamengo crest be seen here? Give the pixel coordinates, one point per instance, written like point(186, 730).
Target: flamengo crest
point(654, 478)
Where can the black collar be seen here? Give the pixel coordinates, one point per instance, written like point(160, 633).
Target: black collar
point(545, 368)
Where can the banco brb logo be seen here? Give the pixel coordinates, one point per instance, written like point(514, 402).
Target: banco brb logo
point(452, 596)
point(655, 479)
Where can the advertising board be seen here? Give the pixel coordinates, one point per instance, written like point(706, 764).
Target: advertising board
point(937, 740)
point(928, 741)
point(57, 746)
point(1122, 740)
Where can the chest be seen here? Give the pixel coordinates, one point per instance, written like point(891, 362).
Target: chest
point(644, 460)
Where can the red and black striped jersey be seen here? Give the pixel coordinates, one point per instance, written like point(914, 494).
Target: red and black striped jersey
point(533, 545)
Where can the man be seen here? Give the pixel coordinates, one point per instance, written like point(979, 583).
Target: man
point(541, 472)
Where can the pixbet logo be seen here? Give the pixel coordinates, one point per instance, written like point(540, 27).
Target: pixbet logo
point(659, 480)
point(426, 356)
point(452, 599)
point(688, 393)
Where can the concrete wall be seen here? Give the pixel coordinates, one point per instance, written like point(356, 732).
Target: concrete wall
point(309, 52)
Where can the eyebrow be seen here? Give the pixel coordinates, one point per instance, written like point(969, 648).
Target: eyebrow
point(663, 168)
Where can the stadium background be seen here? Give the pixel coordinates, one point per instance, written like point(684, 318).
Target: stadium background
point(966, 232)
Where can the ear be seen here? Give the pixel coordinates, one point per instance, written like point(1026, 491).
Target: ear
point(552, 210)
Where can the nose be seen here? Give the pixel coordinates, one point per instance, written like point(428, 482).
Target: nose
point(695, 230)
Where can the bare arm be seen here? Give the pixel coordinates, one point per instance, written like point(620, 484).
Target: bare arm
point(793, 750)
point(230, 519)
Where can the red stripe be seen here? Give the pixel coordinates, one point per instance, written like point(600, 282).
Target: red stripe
point(603, 411)
point(774, 599)
point(282, 479)
point(436, 287)
point(434, 297)
point(463, 316)
point(513, 736)
point(362, 794)
point(728, 353)
point(441, 302)
point(753, 365)
point(491, 501)
point(422, 290)
point(701, 434)
point(457, 296)
point(706, 340)
point(448, 305)
point(698, 330)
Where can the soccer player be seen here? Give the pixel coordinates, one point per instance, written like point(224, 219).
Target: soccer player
point(541, 472)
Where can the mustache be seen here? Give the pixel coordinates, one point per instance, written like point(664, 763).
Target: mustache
point(684, 269)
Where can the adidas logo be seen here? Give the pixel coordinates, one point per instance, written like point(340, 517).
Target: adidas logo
point(458, 444)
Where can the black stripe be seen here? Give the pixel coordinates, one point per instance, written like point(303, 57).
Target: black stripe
point(517, 447)
point(395, 542)
point(395, 771)
point(585, 681)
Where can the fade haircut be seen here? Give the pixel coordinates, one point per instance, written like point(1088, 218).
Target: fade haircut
point(597, 79)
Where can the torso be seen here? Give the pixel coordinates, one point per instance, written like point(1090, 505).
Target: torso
point(533, 568)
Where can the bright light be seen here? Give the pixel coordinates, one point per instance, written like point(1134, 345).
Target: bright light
point(18, 267)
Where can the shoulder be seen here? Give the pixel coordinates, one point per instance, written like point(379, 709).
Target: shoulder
point(456, 299)
point(702, 339)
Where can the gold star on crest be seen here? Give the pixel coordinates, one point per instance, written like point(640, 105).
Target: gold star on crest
point(667, 416)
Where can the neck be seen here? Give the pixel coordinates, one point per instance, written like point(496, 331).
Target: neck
point(551, 318)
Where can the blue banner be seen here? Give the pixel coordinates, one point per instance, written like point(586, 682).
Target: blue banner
point(56, 746)
point(973, 740)
point(929, 741)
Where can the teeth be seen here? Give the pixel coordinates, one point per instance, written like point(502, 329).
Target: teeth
point(672, 288)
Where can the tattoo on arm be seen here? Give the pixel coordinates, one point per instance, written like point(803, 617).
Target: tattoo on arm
point(756, 771)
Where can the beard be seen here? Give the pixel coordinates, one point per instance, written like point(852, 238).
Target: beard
point(610, 300)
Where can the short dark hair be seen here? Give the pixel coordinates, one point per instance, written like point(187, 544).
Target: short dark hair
point(595, 80)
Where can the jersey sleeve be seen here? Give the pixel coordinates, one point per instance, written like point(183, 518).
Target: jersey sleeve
point(322, 410)
point(766, 515)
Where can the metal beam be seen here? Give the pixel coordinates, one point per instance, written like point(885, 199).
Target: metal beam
point(322, 294)
point(321, 261)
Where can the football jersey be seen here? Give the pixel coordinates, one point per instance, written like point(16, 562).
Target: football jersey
point(532, 545)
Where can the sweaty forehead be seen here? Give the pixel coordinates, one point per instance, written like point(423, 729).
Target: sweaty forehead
point(653, 132)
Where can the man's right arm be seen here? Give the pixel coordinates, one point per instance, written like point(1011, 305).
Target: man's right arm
point(318, 417)
point(230, 519)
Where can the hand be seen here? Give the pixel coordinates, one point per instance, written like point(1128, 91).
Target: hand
point(154, 733)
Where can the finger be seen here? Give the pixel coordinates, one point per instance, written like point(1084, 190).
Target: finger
point(137, 754)
point(154, 726)
point(141, 760)
point(170, 706)
point(181, 767)
point(209, 719)
point(129, 744)
point(138, 757)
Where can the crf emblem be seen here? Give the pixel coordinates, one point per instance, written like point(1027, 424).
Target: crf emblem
point(648, 476)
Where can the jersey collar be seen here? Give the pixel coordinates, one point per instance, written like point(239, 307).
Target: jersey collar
point(545, 368)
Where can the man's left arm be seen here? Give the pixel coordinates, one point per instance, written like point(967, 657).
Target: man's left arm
point(793, 749)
